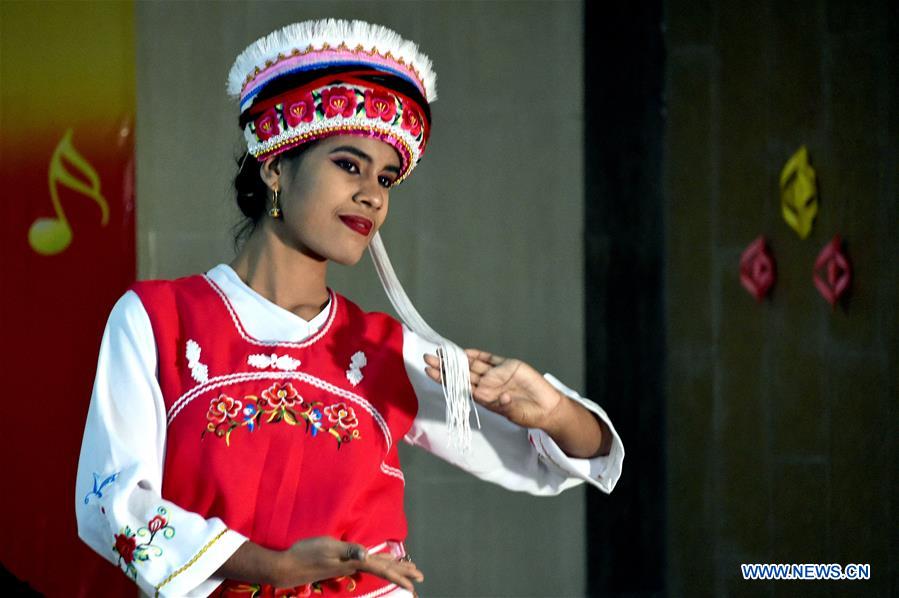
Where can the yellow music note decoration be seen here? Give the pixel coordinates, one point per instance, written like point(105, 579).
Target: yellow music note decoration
point(49, 236)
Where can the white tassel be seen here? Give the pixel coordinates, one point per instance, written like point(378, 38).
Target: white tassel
point(455, 373)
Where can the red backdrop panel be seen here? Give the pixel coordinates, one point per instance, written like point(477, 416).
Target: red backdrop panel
point(67, 251)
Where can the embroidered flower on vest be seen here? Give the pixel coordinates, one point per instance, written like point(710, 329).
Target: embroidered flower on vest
point(342, 415)
point(278, 403)
point(357, 362)
point(198, 370)
point(280, 395)
point(223, 407)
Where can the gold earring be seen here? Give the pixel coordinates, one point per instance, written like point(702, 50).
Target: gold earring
point(275, 212)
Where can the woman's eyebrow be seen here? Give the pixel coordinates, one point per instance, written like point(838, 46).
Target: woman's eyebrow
point(362, 156)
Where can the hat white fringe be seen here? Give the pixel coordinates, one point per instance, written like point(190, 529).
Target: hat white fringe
point(456, 378)
point(333, 32)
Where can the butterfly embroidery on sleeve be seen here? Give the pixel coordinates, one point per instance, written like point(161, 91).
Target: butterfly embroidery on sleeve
point(198, 370)
point(100, 485)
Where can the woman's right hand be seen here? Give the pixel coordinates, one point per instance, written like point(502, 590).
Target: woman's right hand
point(321, 558)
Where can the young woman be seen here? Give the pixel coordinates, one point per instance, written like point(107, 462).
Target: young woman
point(242, 433)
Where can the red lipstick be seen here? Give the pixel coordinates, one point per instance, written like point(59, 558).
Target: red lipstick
point(360, 225)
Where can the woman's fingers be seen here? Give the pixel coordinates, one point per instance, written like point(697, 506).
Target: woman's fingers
point(433, 373)
point(402, 573)
point(479, 363)
point(478, 368)
point(432, 360)
point(351, 556)
point(322, 557)
point(352, 552)
point(491, 398)
point(476, 357)
point(483, 356)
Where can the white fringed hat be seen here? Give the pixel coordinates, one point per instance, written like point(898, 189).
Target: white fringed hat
point(317, 79)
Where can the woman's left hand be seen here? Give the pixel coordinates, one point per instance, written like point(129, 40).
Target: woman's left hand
point(509, 387)
point(518, 392)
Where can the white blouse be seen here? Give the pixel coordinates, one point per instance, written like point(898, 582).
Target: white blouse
point(123, 451)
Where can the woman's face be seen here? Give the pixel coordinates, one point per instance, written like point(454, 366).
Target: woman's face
point(333, 196)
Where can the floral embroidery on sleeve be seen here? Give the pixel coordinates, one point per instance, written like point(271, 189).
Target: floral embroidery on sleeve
point(280, 403)
point(131, 552)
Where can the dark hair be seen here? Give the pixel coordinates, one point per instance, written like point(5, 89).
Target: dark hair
point(252, 192)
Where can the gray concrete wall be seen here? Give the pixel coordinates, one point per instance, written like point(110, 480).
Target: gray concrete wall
point(486, 236)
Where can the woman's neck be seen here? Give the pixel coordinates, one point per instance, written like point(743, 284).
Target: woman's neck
point(286, 277)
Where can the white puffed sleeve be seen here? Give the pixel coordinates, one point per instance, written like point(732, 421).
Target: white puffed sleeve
point(121, 514)
point(501, 452)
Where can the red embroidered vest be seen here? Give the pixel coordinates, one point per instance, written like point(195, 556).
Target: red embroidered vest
point(283, 441)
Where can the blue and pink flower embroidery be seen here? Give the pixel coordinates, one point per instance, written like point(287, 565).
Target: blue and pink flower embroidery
point(280, 403)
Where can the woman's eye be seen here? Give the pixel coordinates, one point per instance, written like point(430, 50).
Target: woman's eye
point(385, 181)
point(347, 165)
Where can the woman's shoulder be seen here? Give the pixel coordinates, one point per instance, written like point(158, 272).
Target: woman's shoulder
point(168, 293)
point(355, 313)
point(184, 284)
point(156, 299)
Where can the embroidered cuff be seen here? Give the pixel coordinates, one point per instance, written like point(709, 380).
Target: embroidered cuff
point(602, 472)
point(197, 577)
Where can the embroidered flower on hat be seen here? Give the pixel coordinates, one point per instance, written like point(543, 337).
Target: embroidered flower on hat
point(267, 124)
point(379, 104)
point(411, 122)
point(299, 111)
point(339, 101)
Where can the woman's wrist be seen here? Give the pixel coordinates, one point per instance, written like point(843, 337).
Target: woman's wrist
point(276, 568)
point(559, 418)
point(578, 431)
point(255, 564)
